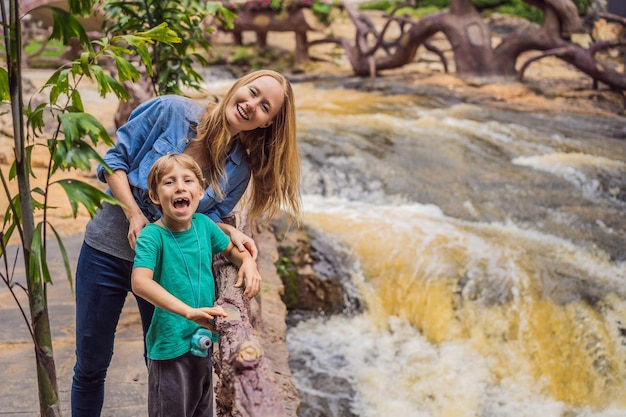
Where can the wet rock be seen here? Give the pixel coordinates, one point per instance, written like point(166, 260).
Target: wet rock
point(311, 270)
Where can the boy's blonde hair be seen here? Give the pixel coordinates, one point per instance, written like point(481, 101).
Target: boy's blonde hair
point(164, 165)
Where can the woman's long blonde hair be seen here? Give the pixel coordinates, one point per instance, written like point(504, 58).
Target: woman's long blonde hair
point(272, 152)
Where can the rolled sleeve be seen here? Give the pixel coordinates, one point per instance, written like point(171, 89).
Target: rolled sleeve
point(164, 117)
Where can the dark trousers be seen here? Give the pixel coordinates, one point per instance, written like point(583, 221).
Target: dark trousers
point(102, 285)
point(180, 387)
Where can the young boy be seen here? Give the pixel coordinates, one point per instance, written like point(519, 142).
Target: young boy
point(172, 270)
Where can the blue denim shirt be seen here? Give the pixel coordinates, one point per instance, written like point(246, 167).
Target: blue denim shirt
point(163, 125)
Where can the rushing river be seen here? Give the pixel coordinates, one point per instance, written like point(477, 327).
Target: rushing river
point(489, 251)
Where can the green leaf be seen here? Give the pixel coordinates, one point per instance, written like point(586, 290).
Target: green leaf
point(61, 86)
point(8, 232)
point(37, 205)
point(78, 125)
point(5, 94)
point(102, 80)
point(74, 154)
point(90, 197)
point(66, 259)
point(81, 7)
point(84, 63)
point(35, 256)
point(140, 45)
point(161, 33)
point(126, 70)
point(35, 118)
point(118, 89)
point(65, 26)
point(77, 101)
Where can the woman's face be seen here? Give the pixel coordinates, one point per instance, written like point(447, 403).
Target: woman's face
point(254, 105)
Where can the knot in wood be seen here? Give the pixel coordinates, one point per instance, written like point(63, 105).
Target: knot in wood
point(249, 355)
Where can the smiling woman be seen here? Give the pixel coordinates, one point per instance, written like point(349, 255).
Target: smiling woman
point(247, 139)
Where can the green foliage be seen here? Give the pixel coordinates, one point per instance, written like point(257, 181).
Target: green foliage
point(65, 142)
point(173, 58)
point(287, 271)
point(54, 48)
point(378, 5)
point(511, 7)
point(521, 9)
point(322, 9)
point(583, 6)
point(416, 13)
point(242, 55)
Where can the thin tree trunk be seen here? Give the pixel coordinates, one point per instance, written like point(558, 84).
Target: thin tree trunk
point(46, 371)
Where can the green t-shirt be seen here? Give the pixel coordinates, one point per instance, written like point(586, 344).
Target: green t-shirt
point(169, 335)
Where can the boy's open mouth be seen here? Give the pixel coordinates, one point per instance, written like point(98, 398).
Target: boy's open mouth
point(181, 202)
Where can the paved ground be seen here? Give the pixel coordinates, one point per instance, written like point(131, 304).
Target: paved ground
point(126, 383)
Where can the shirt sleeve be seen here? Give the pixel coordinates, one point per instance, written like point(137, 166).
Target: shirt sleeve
point(147, 249)
point(137, 135)
point(219, 240)
point(222, 208)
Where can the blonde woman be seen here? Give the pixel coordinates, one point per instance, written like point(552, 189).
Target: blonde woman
point(248, 137)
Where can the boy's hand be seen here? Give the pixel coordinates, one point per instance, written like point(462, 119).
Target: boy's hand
point(204, 315)
point(249, 273)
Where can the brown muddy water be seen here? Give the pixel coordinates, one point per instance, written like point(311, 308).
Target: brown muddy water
point(488, 247)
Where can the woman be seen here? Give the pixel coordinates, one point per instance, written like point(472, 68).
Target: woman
point(249, 135)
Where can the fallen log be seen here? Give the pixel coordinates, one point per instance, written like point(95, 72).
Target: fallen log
point(249, 384)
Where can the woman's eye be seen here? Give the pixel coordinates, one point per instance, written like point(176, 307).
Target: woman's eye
point(253, 91)
point(266, 108)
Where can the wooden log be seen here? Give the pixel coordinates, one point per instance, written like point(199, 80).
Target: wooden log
point(246, 385)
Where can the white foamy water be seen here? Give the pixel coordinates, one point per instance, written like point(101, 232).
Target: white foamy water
point(582, 170)
point(466, 319)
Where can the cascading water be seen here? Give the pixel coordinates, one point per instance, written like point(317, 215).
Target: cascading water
point(489, 249)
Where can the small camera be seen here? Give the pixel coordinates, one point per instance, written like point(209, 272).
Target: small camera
point(201, 341)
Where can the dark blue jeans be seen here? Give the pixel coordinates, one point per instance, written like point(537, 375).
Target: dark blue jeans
point(102, 284)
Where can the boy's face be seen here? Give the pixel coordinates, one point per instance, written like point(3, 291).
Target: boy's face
point(178, 194)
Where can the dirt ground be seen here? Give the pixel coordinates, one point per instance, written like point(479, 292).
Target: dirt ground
point(550, 85)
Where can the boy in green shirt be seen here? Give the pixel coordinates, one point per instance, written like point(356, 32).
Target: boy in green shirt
point(172, 270)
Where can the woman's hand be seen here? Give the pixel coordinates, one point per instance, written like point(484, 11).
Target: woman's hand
point(120, 188)
point(136, 223)
point(241, 241)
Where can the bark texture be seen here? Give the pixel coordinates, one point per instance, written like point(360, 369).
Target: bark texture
point(251, 362)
